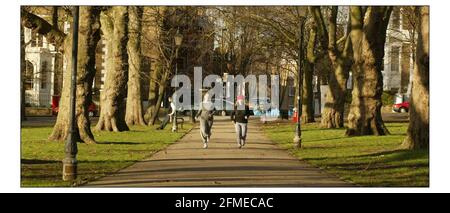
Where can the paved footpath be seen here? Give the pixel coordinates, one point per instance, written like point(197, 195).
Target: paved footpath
point(186, 164)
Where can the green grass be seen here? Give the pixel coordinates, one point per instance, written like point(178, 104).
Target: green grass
point(41, 159)
point(364, 160)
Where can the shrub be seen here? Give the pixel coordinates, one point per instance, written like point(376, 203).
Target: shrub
point(387, 98)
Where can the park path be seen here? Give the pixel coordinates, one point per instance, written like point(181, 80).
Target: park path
point(260, 163)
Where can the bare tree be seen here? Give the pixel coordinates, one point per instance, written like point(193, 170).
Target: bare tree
point(164, 29)
point(311, 60)
point(333, 113)
point(283, 31)
point(162, 24)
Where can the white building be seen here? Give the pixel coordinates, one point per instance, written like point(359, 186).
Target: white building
point(41, 80)
point(398, 58)
point(39, 74)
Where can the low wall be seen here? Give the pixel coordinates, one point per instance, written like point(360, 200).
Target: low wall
point(38, 111)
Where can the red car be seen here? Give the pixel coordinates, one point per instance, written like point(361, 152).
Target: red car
point(401, 107)
point(92, 109)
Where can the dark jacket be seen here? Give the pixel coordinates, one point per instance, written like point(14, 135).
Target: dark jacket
point(239, 116)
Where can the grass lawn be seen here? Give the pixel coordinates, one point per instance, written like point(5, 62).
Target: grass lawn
point(41, 159)
point(364, 160)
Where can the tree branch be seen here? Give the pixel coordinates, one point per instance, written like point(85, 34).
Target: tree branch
point(41, 26)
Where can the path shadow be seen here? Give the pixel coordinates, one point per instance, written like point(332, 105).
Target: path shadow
point(372, 166)
point(38, 161)
point(119, 143)
point(217, 159)
point(223, 169)
point(230, 148)
point(324, 139)
point(403, 154)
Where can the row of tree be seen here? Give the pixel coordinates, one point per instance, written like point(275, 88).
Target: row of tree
point(337, 40)
point(345, 39)
point(121, 28)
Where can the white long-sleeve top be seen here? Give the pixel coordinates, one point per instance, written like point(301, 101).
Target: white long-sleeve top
point(172, 107)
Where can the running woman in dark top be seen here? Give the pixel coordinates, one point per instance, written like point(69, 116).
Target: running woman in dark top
point(240, 117)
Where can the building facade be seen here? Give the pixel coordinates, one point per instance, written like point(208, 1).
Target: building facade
point(399, 52)
point(39, 78)
point(44, 67)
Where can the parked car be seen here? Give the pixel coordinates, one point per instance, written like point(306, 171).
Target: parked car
point(92, 108)
point(401, 103)
point(55, 104)
point(401, 107)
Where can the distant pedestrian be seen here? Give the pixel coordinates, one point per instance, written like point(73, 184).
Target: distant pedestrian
point(206, 114)
point(169, 116)
point(240, 117)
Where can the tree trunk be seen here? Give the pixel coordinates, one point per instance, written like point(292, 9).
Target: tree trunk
point(418, 134)
point(112, 114)
point(162, 89)
point(307, 93)
point(153, 92)
point(22, 74)
point(59, 60)
point(134, 113)
point(89, 35)
point(333, 112)
point(368, 36)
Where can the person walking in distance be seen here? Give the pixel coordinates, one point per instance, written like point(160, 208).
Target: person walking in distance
point(169, 116)
point(206, 114)
point(240, 117)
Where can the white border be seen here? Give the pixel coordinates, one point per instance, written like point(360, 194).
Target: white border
point(10, 102)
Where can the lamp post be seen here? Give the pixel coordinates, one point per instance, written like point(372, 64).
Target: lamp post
point(264, 108)
point(298, 131)
point(70, 148)
point(178, 39)
point(225, 96)
point(222, 52)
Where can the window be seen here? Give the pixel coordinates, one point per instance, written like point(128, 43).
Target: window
point(37, 40)
point(44, 68)
point(33, 39)
point(28, 77)
point(291, 91)
point(40, 40)
point(395, 60)
point(395, 18)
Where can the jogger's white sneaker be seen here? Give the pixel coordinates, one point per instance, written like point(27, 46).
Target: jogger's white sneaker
point(205, 145)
